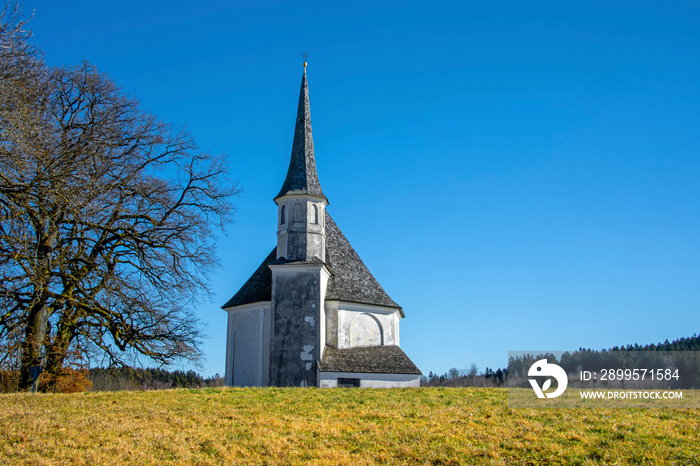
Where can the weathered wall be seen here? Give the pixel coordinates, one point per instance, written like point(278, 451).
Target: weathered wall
point(301, 230)
point(330, 380)
point(331, 313)
point(295, 333)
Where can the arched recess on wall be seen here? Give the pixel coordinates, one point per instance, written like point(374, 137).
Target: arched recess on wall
point(366, 330)
point(283, 215)
point(245, 351)
point(315, 218)
point(298, 215)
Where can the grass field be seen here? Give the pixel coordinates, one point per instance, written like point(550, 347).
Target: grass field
point(334, 426)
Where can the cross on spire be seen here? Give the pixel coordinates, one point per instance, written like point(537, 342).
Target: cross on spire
point(304, 56)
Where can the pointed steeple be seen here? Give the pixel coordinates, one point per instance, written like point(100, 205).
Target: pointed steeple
point(302, 177)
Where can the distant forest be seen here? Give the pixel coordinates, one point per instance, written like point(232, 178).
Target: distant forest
point(113, 379)
point(127, 378)
point(471, 377)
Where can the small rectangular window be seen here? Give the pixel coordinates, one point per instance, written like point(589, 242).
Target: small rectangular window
point(348, 383)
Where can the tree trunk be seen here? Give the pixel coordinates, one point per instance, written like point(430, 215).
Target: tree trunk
point(33, 343)
point(56, 353)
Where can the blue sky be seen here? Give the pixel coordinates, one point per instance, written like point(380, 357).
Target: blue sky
point(517, 175)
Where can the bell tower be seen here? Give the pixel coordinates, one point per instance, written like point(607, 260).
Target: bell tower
point(301, 234)
point(299, 274)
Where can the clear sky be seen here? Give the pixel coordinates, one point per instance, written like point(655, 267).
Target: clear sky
point(517, 175)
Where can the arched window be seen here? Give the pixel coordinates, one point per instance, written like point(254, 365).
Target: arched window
point(283, 215)
point(315, 219)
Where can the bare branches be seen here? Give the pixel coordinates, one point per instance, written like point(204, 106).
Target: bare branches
point(106, 217)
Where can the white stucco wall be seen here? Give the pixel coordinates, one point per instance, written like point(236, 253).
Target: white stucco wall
point(330, 380)
point(254, 352)
point(354, 324)
point(365, 330)
point(245, 351)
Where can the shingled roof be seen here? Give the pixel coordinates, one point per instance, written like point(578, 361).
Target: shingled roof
point(350, 279)
point(301, 176)
point(258, 287)
point(367, 359)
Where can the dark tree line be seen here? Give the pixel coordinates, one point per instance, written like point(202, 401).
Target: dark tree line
point(119, 378)
point(466, 378)
point(461, 378)
point(128, 378)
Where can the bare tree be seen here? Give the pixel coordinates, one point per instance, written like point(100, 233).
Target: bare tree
point(106, 218)
point(22, 88)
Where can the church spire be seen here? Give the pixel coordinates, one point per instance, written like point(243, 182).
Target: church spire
point(301, 176)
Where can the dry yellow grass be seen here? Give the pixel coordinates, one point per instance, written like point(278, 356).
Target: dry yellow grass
point(336, 426)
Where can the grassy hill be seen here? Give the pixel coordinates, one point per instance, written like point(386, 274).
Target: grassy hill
point(336, 426)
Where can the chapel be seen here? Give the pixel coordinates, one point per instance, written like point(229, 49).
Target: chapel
point(312, 314)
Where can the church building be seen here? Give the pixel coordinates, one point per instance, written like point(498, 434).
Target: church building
point(312, 314)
